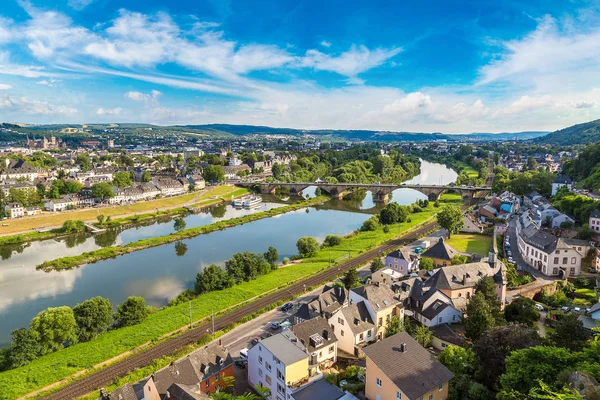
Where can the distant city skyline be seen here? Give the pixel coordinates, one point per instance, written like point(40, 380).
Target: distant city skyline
point(432, 66)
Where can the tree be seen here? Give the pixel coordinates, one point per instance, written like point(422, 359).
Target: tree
point(332, 240)
point(393, 213)
point(246, 266)
point(100, 219)
point(53, 328)
point(122, 179)
point(212, 278)
point(459, 360)
point(371, 224)
point(480, 317)
point(569, 333)
point(522, 310)
point(132, 311)
point(423, 335)
point(93, 317)
point(71, 225)
point(426, 263)
point(272, 256)
point(487, 287)
point(23, 348)
point(146, 176)
point(307, 246)
point(350, 279)
point(213, 173)
point(179, 224)
point(102, 190)
point(459, 259)
point(495, 344)
point(394, 326)
point(450, 218)
point(585, 232)
point(377, 264)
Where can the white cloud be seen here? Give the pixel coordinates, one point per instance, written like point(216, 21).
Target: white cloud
point(109, 111)
point(4, 86)
point(48, 82)
point(27, 106)
point(350, 63)
point(79, 4)
point(325, 43)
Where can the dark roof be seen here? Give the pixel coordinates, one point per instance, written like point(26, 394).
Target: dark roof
point(402, 253)
point(314, 334)
point(320, 389)
point(445, 333)
point(595, 307)
point(466, 275)
point(434, 309)
point(563, 179)
point(379, 296)
point(358, 317)
point(185, 392)
point(541, 240)
point(125, 392)
point(441, 251)
point(414, 371)
point(595, 214)
point(331, 299)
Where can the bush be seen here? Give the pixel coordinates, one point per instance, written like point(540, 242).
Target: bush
point(332, 240)
point(132, 311)
point(370, 225)
point(307, 246)
point(426, 263)
point(70, 226)
point(386, 229)
point(286, 261)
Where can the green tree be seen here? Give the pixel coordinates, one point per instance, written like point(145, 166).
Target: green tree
point(272, 256)
point(423, 335)
point(100, 219)
point(73, 225)
point(350, 279)
point(497, 343)
point(569, 333)
point(426, 263)
point(522, 310)
point(459, 259)
point(53, 328)
point(246, 266)
point(307, 246)
point(132, 312)
point(371, 224)
point(122, 179)
point(394, 326)
point(93, 317)
point(480, 317)
point(146, 176)
point(23, 349)
point(450, 218)
point(332, 240)
point(393, 213)
point(377, 264)
point(212, 278)
point(213, 173)
point(179, 224)
point(102, 190)
point(180, 248)
point(459, 360)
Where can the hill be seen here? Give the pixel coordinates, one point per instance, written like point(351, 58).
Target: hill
point(588, 132)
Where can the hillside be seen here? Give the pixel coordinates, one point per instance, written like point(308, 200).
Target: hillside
point(588, 132)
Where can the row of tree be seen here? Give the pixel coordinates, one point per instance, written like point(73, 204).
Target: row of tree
point(58, 327)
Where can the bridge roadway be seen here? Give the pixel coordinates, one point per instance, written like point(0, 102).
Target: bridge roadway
point(380, 192)
point(104, 377)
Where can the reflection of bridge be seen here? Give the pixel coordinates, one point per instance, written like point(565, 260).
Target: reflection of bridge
point(380, 192)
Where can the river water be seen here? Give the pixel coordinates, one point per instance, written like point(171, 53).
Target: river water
point(160, 273)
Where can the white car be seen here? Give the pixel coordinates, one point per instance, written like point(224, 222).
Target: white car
point(539, 307)
point(577, 310)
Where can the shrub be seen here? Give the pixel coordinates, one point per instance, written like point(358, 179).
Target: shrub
point(332, 240)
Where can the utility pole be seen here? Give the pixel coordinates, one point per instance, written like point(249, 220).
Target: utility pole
point(213, 321)
point(190, 303)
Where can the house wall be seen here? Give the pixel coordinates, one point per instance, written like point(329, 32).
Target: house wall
point(389, 390)
point(440, 344)
point(595, 224)
point(449, 316)
point(215, 381)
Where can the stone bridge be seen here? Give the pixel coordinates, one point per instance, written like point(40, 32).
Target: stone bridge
point(380, 192)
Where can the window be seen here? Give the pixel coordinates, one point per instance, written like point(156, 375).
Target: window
point(268, 379)
point(280, 388)
point(361, 336)
point(572, 271)
point(217, 377)
point(280, 375)
point(398, 396)
point(565, 260)
point(468, 295)
point(331, 349)
point(259, 359)
point(545, 257)
point(557, 252)
point(431, 396)
point(268, 366)
point(555, 260)
point(454, 317)
point(573, 260)
point(369, 333)
point(342, 332)
point(441, 387)
point(207, 383)
point(260, 372)
point(380, 321)
point(379, 383)
point(555, 271)
point(340, 321)
point(440, 320)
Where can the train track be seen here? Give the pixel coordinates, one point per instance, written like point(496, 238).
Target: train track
point(106, 376)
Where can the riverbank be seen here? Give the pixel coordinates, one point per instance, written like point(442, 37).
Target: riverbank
point(171, 206)
point(111, 252)
point(61, 364)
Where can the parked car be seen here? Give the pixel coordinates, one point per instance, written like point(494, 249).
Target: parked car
point(577, 310)
point(539, 307)
point(244, 354)
point(287, 306)
point(565, 309)
point(241, 363)
point(593, 271)
point(275, 325)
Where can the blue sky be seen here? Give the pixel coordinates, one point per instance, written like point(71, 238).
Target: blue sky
point(448, 66)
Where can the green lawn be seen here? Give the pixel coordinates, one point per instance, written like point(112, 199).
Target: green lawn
point(64, 363)
point(471, 243)
point(471, 172)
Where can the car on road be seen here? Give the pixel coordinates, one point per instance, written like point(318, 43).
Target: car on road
point(565, 309)
point(242, 363)
point(275, 325)
point(287, 306)
point(593, 271)
point(254, 341)
point(244, 353)
point(539, 307)
point(577, 310)
point(510, 260)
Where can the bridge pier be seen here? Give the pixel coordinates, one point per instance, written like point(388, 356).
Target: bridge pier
point(381, 198)
point(266, 189)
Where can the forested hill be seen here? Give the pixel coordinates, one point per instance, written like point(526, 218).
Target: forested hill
point(588, 132)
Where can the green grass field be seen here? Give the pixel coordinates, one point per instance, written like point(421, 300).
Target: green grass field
point(471, 243)
point(64, 363)
point(471, 172)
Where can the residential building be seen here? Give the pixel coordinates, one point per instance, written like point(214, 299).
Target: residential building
point(443, 336)
point(20, 169)
point(321, 390)
point(561, 218)
point(280, 363)
point(382, 304)
point(14, 210)
point(441, 253)
point(328, 302)
point(431, 307)
point(458, 281)
point(386, 276)
point(594, 220)
point(561, 181)
point(595, 312)
point(317, 336)
point(354, 327)
point(547, 213)
point(232, 171)
point(487, 212)
point(402, 261)
point(399, 368)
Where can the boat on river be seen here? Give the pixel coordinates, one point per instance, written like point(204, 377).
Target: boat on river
point(247, 201)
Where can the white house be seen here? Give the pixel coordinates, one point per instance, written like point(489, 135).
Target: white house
point(432, 307)
point(594, 221)
point(14, 210)
point(353, 327)
point(560, 219)
point(381, 302)
point(560, 182)
point(595, 311)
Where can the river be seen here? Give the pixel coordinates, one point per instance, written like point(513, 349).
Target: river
point(162, 272)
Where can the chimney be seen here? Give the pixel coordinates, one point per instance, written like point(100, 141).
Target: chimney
point(326, 334)
point(464, 279)
point(220, 342)
point(403, 347)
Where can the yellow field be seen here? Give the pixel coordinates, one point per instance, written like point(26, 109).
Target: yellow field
point(51, 220)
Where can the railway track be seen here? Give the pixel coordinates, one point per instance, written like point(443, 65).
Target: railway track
point(106, 376)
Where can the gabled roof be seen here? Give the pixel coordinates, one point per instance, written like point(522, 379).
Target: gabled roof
point(466, 275)
point(406, 363)
point(314, 334)
point(379, 296)
point(563, 179)
point(441, 251)
point(358, 317)
point(125, 392)
point(595, 307)
point(595, 214)
point(402, 253)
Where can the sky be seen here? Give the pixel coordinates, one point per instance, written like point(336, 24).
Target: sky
point(421, 66)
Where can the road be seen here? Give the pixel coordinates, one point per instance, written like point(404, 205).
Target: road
point(103, 377)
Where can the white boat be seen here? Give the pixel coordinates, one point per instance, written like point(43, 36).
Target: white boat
point(247, 201)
